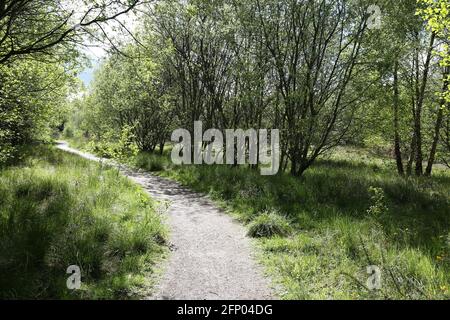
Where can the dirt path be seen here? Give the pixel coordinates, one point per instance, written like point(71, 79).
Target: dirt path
point(211, 256)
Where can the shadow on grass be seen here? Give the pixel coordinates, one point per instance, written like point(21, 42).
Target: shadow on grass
point(36, 215)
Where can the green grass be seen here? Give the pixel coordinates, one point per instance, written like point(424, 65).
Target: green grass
point(150, 162)
point(58, 210)
point(318, 234)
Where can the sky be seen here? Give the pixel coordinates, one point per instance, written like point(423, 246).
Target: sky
point(95, 55)
point(87, 75)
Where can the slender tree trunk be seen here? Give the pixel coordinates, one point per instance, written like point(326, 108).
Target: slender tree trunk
point(420, 101)
point(437, 128)
point(397, 150)
point(294, 166)
point(412, 146)
point(419, 156)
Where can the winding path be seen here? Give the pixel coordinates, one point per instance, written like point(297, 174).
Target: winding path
point(211, 256)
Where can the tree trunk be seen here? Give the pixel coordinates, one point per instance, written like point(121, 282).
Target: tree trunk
point(397, 150)
point(419, 156)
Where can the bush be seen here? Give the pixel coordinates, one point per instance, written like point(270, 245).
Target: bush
point(115, 146)
point(268, 225)
point(68, 132)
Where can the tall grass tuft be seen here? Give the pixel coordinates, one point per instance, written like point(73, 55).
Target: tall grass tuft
point(269, 224)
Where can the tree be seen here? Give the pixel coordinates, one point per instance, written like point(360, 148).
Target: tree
point(401, 55)
point(130, 93)
point(314, 47)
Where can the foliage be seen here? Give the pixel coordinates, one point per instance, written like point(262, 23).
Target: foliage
point(437, 15)
point(315, 70)
point(223, 64)
point(38, 55)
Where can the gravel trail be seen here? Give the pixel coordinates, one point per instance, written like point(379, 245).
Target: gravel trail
point(211, 256)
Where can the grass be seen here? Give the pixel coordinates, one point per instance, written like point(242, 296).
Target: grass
point(318, 234)
point(58, 210)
